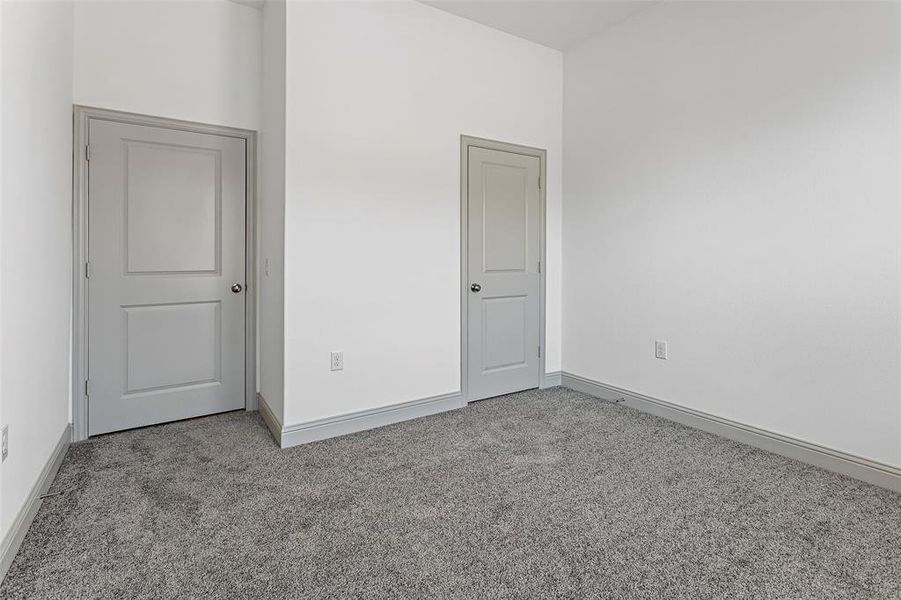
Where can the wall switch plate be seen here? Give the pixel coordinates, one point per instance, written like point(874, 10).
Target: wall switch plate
point(338, 360)
point(660, 349)
point(5, 443)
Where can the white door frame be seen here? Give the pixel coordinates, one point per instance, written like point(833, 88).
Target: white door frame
point(83, 115)
point(467, 142)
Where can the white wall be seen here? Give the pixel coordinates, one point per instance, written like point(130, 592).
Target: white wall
point(377, 97)
point(732, 187)
point(272, 210)
point(36, 247)
point(197, 60)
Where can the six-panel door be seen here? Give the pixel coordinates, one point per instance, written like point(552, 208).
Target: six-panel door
point(166, 245)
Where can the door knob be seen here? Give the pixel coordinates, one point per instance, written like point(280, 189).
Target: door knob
point(236, 288)
point(476, 287)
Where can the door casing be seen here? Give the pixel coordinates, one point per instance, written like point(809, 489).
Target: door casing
point(467, 142)
point(82, 118)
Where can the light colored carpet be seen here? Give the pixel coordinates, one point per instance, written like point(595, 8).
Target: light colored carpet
point(539, 494)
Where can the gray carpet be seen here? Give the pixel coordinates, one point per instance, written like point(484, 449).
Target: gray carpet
point(539, 494)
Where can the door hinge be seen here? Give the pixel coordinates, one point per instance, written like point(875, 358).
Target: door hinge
point(87, 152)
point(539, 266)
point(539, 182)
point(87, 387)
point(87, 270)
point(539, 351)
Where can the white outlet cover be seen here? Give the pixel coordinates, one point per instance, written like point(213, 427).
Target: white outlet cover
point(5, 443)
point(660, 349)
point(337, 360)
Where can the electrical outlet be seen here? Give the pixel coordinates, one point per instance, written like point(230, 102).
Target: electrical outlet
point(338, 360)
point(660, 349)
point(266, 267)
point(5, 443)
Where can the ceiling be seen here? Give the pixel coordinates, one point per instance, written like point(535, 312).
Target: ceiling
point(560, 24)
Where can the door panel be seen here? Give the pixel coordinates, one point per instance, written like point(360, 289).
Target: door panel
point(172, 222)
point(172, 345)
point(503, 249)
point(505, 213)
point(166, 243)
point(505, 326)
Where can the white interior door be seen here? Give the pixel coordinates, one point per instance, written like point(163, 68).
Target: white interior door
point(504, 277)
point(166, 246)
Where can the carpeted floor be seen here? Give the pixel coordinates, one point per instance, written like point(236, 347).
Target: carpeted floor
point(533, 495)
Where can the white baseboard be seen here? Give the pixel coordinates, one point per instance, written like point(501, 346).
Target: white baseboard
point(552, 379)
point(13, 539)
point(272, 422)
point(864, 469)
point(320, 429)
